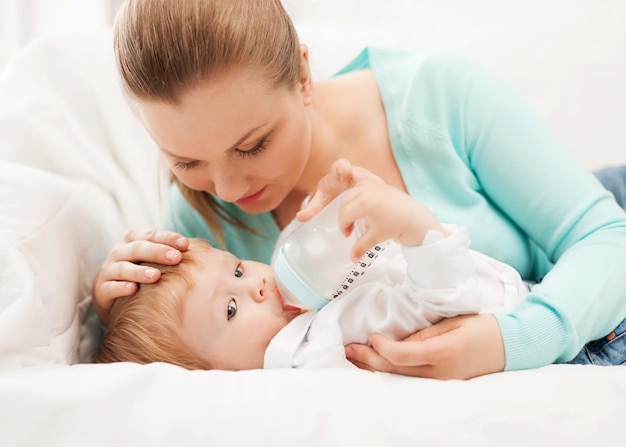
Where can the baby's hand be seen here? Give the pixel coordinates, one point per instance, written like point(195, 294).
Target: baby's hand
point(384, 212)
point(342, 176)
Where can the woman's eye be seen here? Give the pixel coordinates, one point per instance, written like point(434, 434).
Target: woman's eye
point(255, 150)
point(231, 309)
point(238, 271)
point(184, 166)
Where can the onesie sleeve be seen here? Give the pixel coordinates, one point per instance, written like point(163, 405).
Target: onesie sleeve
point(423, 284)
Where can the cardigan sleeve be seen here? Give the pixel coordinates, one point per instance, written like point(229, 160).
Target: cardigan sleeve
point(526, 172)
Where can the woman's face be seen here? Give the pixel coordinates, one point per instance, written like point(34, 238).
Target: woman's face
point(235, 137)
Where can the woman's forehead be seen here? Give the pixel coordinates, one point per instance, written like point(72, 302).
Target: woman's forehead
point(215, 116)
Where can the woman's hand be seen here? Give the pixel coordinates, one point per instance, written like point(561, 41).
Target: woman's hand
point(455, 348)
point(119, 275)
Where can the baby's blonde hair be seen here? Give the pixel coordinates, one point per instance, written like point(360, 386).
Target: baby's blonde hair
point(144, 327)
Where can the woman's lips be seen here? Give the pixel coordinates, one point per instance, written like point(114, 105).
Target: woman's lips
point(251, 198)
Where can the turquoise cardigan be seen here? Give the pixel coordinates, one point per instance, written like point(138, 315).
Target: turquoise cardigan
point(477, 155)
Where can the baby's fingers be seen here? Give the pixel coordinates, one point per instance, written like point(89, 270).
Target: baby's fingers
point(330, 186)
point(363, 243)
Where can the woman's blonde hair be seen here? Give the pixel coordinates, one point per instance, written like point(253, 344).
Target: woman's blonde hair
point(144, 327)
point(164, 48)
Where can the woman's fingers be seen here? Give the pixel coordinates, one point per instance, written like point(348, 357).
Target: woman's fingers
point(104, 293)
point(121, 272)
point(405, 352)
point(456, 348)
point(126, 271)
point(143, 251)
point(365, 357)
point(123, 288)
point(111, 290)
point(165, 237)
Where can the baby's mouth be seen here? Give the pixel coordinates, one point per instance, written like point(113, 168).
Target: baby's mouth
point(286, 307)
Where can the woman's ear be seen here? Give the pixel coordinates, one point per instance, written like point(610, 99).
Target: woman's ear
point(306, 82)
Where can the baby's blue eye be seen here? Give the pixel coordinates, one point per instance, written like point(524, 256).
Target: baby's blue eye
point(231, 309)
point(238, 271)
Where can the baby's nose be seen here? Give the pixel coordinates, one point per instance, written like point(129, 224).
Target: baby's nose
point(260, 292)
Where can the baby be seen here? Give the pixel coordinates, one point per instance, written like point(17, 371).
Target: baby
point(215, 311)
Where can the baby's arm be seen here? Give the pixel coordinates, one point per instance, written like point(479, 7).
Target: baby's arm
point(441, 278)
point(450, 279)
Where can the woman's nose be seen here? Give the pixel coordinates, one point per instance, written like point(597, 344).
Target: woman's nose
point(229, 187)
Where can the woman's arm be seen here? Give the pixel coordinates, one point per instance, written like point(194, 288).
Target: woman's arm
point(570, 221)
point(525, 170)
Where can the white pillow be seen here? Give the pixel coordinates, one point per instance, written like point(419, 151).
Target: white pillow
point(54, 234)
point(77, 170)
point(62, 110)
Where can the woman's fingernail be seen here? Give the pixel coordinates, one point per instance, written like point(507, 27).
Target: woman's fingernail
point(150, 273)
point(349, 352)
point(180, 242)
point(171, 255)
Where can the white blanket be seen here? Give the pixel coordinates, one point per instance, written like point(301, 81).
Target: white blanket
point(76, 170)
point(161, 405)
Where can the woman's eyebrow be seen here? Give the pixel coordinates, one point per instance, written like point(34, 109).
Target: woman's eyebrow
point(246, 136)
point(234, 146)
point(177, 157)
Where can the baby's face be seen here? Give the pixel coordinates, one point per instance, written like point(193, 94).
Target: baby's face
point(233, 310)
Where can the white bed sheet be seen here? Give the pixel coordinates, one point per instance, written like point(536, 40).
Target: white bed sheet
point(76, 169)
point(162, 405)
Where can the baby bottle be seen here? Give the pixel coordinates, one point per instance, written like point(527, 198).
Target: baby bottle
point(313, 265)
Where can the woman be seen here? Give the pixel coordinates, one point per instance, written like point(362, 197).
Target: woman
point(224, 89)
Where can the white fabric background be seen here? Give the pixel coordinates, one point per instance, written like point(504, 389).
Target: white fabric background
point(567, 57)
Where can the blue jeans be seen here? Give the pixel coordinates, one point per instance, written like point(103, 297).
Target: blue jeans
point(614, 179)
point(611, 349)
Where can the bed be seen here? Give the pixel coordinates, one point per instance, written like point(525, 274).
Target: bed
point(76, 170)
